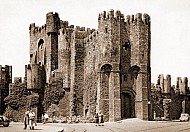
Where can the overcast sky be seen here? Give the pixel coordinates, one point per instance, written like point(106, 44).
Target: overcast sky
point(170, 29)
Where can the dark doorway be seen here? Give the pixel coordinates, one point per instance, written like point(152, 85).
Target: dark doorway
point(127, 106)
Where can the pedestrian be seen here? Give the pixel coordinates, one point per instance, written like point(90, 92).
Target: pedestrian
point(96, 119)
point(101, 119)
point(45, 118)
point(26, 119)
point(31, 119)
point(54, 119)
point(42, 120)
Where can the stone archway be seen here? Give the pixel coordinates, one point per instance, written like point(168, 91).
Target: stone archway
point(104, 90)
point(127, 105)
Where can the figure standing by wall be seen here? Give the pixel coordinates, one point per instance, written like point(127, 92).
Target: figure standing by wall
point(45, 118)
point(31, 118)
point(26, 119)
point(96, 119)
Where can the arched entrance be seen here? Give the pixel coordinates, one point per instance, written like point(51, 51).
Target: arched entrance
point(104, 90)
point(127, 105)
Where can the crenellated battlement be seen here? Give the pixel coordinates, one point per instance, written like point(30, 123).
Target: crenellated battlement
point(110, 15)
point(82, 32)
point(139, 17)
point(165, 83)
point(36, 29)
point(64, 24)
point(52, 14)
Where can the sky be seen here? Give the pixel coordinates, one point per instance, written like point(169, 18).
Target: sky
point(170, 29)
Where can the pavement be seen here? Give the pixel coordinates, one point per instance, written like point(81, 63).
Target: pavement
point(128, 125)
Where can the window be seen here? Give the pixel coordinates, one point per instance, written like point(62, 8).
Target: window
point(106, 30)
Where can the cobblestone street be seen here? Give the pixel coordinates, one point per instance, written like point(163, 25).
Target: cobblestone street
point(129, 125)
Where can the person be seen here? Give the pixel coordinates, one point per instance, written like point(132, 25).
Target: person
point(96, 119)
point(101, 118)
point(54, 119)
point(31, 119)
point(45, 117)
point(26, 119)
point(42, 120)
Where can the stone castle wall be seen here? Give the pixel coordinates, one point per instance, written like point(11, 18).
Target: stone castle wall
point(5, 80)
point(97, 66)
point(177, 94)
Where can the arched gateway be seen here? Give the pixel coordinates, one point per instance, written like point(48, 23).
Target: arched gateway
point(127, 105)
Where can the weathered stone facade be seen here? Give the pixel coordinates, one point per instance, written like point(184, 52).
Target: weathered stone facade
point(105, 70)
point(170, 101)
point(5, 80)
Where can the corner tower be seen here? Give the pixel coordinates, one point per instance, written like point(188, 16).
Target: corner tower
point(108, 84)
point(140, 38)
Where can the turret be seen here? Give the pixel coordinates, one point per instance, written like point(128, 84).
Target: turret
point(52, 22)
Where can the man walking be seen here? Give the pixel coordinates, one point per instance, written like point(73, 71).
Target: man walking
point(26, 119)
point(31, 119)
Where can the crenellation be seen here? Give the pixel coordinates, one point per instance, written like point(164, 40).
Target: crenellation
point(118, 14)
point(82, 29)
point(71, 26)
point(146, 18)
point(77, 28)
point(32, 26)
point(132, 18)
point(110, 14)
point(128, 19)
point(102, 15)
point(138, 17)
point(52, 13)
point(177, 94)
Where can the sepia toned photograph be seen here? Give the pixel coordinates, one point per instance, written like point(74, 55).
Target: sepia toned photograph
point(88, 66)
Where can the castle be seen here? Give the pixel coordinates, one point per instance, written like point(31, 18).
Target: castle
point(105, 70)
point(5, 80)
point(169, 101)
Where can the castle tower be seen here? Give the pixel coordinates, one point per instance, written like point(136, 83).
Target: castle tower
point(52, 25)
point(140, 37)
point(167, 84)
point(108, 87)
point(77, 71)
point(44, 44)
point(5, 80)
point(64, 53)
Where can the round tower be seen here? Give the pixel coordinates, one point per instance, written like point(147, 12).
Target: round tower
point(140, 37)
point(52, 22)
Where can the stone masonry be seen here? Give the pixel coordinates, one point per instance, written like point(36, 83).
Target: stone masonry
point(5, 80)
point(169, 101)
point(105, 70)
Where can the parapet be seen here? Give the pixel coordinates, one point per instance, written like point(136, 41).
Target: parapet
point(64, 24)
point(139, 17)
point(52, 14)
point(36, 29)
point(110, 15)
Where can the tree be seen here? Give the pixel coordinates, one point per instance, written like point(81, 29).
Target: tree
point(54, 92)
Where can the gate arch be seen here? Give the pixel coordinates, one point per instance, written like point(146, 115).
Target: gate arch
point(127, 104)
point(104, 90)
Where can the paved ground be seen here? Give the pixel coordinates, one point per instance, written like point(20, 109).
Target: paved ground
point(129, 125)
